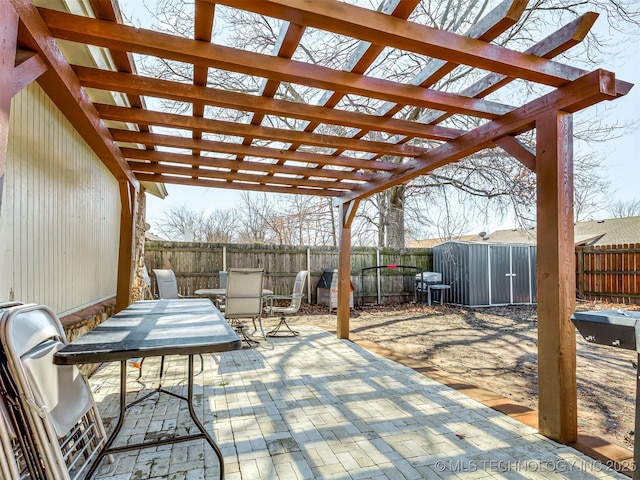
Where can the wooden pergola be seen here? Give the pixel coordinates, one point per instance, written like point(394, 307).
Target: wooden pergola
point(356, 167)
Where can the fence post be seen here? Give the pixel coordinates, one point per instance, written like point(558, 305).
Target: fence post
point(224, 258)
point(377, 274)
point(580, 261)
point(309, 276)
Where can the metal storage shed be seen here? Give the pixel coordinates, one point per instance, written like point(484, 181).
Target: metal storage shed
point(483, 274)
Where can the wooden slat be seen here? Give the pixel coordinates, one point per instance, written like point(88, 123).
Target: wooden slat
point(590, 89)
point(121, 37)
point(609, 272)
point(199, 182)
point(549, 47)
point(496, 22)
point(203, 26)
point(285, 47)
point(202, 173)
point(554, 44)
point(114, 81)
point(266, 133)
point(29, 66)
point(557, 390)
point(365, 54)
point(488, 28)
point(123, 61)
point(238, 149)
point(61, 85)
point(364, 24)
point(518, 150)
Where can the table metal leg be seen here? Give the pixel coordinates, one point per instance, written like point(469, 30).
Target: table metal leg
point(108, 449)
point(195, 419)
point(123, 400)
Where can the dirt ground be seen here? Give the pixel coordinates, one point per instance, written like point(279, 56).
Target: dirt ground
point(495, 348)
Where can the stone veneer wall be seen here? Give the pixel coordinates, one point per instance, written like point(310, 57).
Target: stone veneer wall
point(79, 323)
point(141, 290)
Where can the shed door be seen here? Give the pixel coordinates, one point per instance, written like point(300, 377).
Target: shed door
point(500, 274)
point(521, 282)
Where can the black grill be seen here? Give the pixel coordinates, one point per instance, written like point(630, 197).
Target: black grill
point(619, 329)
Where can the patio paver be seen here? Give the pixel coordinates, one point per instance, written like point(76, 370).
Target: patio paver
point(316, 407)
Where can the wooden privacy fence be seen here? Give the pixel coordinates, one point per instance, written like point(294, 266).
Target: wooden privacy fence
point(197, 265)
point(609, 273)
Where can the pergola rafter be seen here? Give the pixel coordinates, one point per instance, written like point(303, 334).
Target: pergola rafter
point(335, 150)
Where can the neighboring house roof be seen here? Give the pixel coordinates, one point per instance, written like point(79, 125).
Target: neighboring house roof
point(611, 231)
point(151, 236)
point(432, 242)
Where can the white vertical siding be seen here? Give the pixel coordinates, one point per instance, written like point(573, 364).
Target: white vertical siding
point(60, 216)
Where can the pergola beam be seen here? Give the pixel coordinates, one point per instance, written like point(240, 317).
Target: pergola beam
point(374, 27)
point(121, 37)
point(518, 150)
point(123, 61)
point(127, 83)
point(592, 88)
point(254, 187)
point(502, 17)
point(61, 85)
point(203, 26)
point(126, 250)
point(557, 387)
point(130, 136)
point(265, 133)
point(206, 173)
point(347, 214)
point(29, 66)
point(8, 48)
point(366, 53)
point(549, 47)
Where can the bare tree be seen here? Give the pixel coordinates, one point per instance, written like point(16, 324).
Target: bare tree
point(184, 223)
point(624, 208)
point(490, 183)
point(220, 226)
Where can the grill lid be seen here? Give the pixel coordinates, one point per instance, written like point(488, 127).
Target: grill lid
point(613, 328)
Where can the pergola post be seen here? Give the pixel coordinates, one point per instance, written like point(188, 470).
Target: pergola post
point(347, 213)
point(557, 389)
point(126, 252)
point(8, 43)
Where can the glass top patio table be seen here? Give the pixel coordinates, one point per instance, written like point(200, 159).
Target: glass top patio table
point(151, 328)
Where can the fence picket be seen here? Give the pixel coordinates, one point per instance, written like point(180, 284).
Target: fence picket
point(606, 273)
point(197, 265)
point(609, 272)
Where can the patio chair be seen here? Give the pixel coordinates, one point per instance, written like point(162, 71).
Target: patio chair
point(59, 408)
point(167, 283)
point(9, 460)
point(294, 305)
point(19, 458)
point(244, 299)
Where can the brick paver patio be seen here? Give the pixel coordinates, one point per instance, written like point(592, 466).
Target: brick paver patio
point(319, 407)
